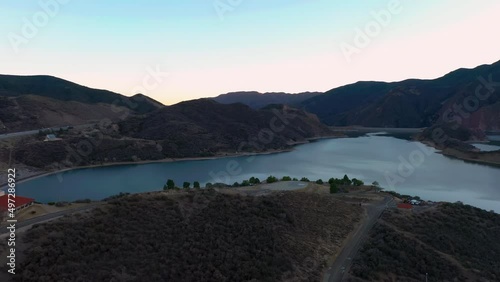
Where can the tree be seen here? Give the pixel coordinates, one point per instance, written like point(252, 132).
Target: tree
point(196, 184)
point(357, 182)
point(286, 178)
point(304, 179)
point(245, 183)
point(334, 188)
point(236, 184)
point(186, 184)
point(319, 181)
point(375, 183)
point(254, 180)
point(346, 180)
point(170, 184)
point(208, 185)
point(295, 179)
point(271, 179)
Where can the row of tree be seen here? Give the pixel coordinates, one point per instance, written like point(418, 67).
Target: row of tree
point(171, 185)
point(334, 182)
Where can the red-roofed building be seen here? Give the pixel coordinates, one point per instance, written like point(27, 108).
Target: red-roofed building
point(405, 206)
point(20, 202)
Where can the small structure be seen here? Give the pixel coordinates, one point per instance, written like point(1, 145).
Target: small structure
point(415, 202)
point(20, 203)
point(51, 137)
point(405, 206)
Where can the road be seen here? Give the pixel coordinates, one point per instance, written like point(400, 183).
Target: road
point(34, 132)
point(48, 217)
point(344, 260)
point(377, 129)
point(17, 134)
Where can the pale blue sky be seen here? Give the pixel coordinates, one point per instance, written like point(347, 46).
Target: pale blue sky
point(261, 45)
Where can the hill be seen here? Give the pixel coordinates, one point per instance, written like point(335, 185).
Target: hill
point(33, 102)
point(203, 127)
point(413, 102)
point(451, 242)
point(192, 236)
point(29, 112)
point(199, 128)
point(257, 100)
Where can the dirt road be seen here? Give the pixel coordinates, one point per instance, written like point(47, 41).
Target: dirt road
point(344, 260)
point(46, 217)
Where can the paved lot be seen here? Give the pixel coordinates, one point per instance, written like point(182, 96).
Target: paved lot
point(285, 186)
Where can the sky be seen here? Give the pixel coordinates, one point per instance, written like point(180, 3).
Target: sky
point(180, 50)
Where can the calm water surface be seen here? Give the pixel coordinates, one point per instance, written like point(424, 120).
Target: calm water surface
point(370, 158)
point(486, 147)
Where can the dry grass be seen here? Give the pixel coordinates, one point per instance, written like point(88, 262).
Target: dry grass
point(450, 242)
point(193, 236)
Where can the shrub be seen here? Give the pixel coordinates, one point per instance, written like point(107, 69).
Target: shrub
point(83, 201)
point(254, 180)
point(304, 179)
point(346, 180)
point(170, 184)
point(334, 188)
point(319, 181)
point(286, 178)
point(271, 179)
point(357, 182)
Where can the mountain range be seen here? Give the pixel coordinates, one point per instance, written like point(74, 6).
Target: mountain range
point(259, 100)
point(34, 102)
point(409, 103)
point(31, 102)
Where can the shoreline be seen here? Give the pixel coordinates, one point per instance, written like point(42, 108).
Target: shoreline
point(455, 154)
point(242, 154)
point(169, 160)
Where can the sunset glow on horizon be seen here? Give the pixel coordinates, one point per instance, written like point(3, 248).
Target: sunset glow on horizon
point(214, 47)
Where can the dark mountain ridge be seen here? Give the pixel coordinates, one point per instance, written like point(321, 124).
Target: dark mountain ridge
point(408, 103)
point(259, 100)
point(35, 102)
point(204, 126)
point(63, 90)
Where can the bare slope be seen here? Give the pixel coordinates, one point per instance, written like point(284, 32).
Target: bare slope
point(192, 236)
point(452, 242)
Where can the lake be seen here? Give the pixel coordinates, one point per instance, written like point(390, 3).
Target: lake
point(404, 166)
point(486, 147)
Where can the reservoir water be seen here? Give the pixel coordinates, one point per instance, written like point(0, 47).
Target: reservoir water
point(486, 147)
point(406, 167)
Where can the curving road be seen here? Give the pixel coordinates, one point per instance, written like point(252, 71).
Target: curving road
point(48, 217)
point(344, 260)
point(34, 132)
